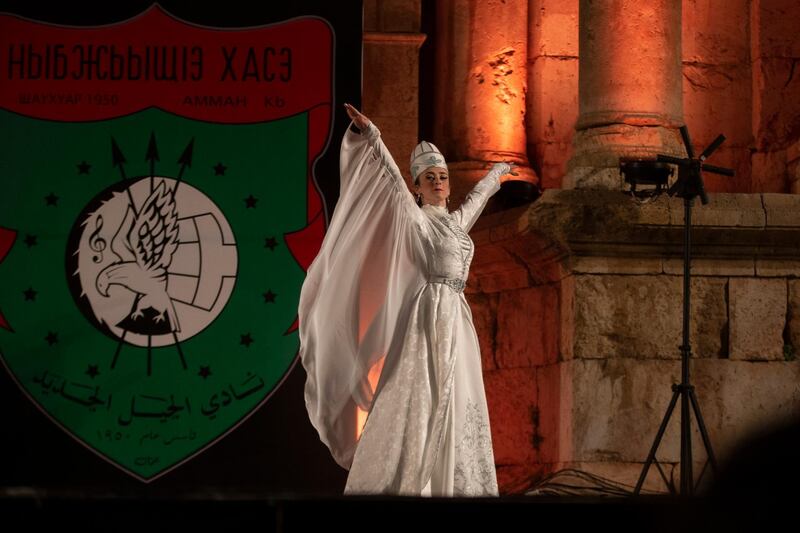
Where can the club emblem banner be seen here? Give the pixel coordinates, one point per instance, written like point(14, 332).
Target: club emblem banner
point(157, 217)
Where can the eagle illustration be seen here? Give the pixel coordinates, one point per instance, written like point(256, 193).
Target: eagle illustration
point(145, 243)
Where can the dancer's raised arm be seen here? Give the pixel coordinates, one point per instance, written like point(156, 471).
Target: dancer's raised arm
point(373, 135)
point(472, 206)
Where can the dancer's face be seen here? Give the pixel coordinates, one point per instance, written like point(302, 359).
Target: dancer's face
point(434, 186)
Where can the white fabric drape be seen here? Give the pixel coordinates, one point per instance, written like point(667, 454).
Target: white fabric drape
point(368, 268)
point(388, 281)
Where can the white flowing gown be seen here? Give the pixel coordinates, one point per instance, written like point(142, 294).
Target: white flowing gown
point(387, 288)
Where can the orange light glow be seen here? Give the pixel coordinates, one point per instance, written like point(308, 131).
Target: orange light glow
point(373, 376)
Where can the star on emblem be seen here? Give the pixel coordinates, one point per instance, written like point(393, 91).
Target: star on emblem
point(247, 340)
point(52, 337)
point(92, 371)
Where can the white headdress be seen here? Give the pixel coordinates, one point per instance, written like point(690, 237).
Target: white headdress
point(425, 155)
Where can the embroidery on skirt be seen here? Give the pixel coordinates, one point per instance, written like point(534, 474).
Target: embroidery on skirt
point(474, 473)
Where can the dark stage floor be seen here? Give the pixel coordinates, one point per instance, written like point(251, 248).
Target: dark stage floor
point(23, 509)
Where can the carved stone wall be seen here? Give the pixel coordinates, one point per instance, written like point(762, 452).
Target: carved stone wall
point(581, 293)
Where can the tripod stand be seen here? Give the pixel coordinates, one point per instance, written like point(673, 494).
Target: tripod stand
point(688, 186)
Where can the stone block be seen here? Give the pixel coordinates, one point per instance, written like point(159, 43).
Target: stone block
point(717, 87)
point(723, 209)
point(775, 28)
point(392, 88)
point(551, 398)
point(627, 316)
point(551, 113)
point(616, 408)
point(794, 319)
point(776, 107)
point(484, 311)
point(757, 311)
point(740, 398)
point(770, 172)
point(542, 259)
point(551, 159)
point(782, 209)
point(553, 28)
point(511, 399)
point(615, 265)
point(709, 318)
point(777, 268)
point(793, 168)
point(618, 316)
point(392, 15)
point(489, 256)
point(712, 267)
point(566, 300)
point(714, 95)
point(527, 327)
point(656, 213)
point(709, 37)
point(618, 405)
point(505, 280)
point(793, 152)
point(552, 104)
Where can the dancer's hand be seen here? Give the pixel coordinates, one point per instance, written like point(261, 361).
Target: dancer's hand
point(360, 120)
point(507, 170)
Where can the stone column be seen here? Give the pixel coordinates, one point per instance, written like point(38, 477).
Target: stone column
point(630, 101)
point(481, 56)
point(390, 89)
point(552, 87)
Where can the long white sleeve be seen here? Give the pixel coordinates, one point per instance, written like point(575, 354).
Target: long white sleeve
point(373, 136)
point(369, 267)
point(472, 206)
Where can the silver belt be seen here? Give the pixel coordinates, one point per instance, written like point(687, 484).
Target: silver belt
point(454, 283)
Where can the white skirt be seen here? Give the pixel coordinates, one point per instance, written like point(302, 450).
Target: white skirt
point(428, 431)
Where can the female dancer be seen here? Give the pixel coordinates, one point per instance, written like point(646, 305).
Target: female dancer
point(384, 298)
